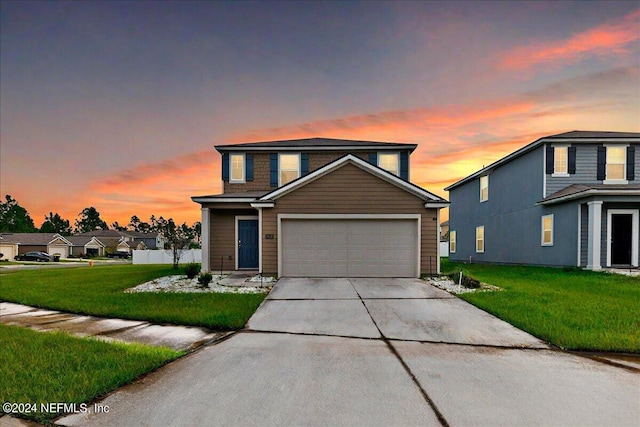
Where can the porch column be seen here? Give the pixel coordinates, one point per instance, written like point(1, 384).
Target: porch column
point(205, 230)
point(594, 235)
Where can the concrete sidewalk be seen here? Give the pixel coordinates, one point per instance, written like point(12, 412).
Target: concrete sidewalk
point(176, 337)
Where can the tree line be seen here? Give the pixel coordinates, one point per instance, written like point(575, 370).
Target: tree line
point(15, 219)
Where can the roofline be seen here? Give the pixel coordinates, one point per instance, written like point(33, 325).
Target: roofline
point(530, 147)
point(224, 199)
point(373, 169)
point(344, 147)
point(587, 193)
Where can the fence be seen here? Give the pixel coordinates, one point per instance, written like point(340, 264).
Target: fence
point(165, 256)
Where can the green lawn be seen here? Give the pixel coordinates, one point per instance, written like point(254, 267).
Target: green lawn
point(576, 310)
point(99, 291)
point(39, 367)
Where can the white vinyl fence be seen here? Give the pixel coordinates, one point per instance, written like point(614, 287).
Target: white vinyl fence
point(159, 256)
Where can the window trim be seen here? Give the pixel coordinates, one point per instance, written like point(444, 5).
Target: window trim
point(542, 230)
point(280, 184)
point(555, 158)
point(384, 153)
point(453, 242)
point(607, 180)
point(483, 239)
point(480, 180)
point(244, 168)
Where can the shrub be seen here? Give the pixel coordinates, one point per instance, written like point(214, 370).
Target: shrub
point(467, 281)
point(204, 279)
point(192, 269)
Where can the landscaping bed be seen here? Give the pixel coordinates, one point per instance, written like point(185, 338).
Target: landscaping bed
point(571, 308)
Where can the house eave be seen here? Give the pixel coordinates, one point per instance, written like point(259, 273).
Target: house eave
point(436, 205)
point(588, 193)
point(350, 148)
point(223, 199)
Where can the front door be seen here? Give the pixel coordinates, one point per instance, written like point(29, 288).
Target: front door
point(621, 239)
point(247, 243)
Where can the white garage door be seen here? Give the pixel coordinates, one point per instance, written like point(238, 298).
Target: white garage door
point(349, 248)
point(59, 249)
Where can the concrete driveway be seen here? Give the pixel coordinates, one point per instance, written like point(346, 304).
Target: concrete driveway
point(375, 352)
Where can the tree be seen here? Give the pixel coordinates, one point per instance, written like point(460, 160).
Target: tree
point(116, 226)
point(54, 223)
point(90, 220)
point(135, 224)
point(177, 238)
point(14, 218)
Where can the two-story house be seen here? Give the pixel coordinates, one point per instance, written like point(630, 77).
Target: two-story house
point(571, 199)
point(320, 207)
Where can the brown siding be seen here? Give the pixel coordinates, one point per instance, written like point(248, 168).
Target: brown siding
point(222, 237)
point(23, 249)
point(261, 172)
point(350, 190)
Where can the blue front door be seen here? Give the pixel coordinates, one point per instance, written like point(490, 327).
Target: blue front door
point(247, 243)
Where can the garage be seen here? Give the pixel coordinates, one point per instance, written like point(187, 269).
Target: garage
point(376, 247)
point(59, 249)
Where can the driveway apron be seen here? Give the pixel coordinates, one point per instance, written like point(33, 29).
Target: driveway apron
point(375, 352)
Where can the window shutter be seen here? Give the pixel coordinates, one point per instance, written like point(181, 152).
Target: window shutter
point(631, 154)
point(404, 165)
point(373, 158)
point(248, 167)
point(304, 164)
point(273, 169)
point(225, 167)
point(550, 164)
point(602, 163)
point(572, 160)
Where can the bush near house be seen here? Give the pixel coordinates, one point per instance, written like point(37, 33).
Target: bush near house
point(571, 308)
point(99, 291)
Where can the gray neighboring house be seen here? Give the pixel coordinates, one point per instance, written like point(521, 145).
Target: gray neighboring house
point(89, 246)
point(571, 199)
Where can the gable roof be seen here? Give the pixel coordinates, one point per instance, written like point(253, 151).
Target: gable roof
point(383, 174)
point(83, 240)
point(316, 144)
point(581, 136)
point(118, 234)
point(33, 239)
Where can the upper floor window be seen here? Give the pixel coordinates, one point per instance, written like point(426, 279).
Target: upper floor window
point(390, 162)
point(484, 188)
point(616, 162)
point(237, 168)
point(289, 168)
point(452, 241)
point(547, 230)
point(480, 239)
point(561, 160)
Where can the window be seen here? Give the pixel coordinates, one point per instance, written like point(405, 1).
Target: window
point(452, 241)
point(390, 162)
point(237, 168)
point(616, 163)
point(484, 188)
point(480, 239)
point(289, 168)
point(561, 160)
point(547, 230)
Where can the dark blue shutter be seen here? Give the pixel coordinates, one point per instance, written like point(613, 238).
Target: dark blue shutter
point(602, 163)
point(273, 169)
point(631, 170)
point(404, 165)
point(572, 160)
point(373, 158)
point(225, 167)
point(304, 164)
point(248, 164)
point(550, 160)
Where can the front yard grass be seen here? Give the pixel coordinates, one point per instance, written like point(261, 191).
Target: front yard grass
point(573, 309)
point(51, 367)
point(99, 291)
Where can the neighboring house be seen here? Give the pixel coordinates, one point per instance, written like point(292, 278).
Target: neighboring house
point(571, 199)
point(320, 207)
point(444, 231)
point(114, 238)
point(51, 243)
point(130, 245)
point(86, 246)
point(151, 240)
point(9, 250)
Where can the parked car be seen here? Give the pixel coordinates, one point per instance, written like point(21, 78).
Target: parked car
point(34, 256)
point(119, 254)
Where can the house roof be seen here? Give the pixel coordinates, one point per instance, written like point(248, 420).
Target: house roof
point(35, 239)
point(316, 144)
point(83, 240)
point(248, 196)
point(118, 234)
point(585, 137)
point(364, 165)
point(579, 191)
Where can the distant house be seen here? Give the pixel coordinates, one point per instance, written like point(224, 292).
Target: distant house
point(86, 246)
point(444, 231)
point(51, 243)
point(571, 199)
point(113, 238)
point(9, 250)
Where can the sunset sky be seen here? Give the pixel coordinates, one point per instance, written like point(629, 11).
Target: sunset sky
point(118, 105)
